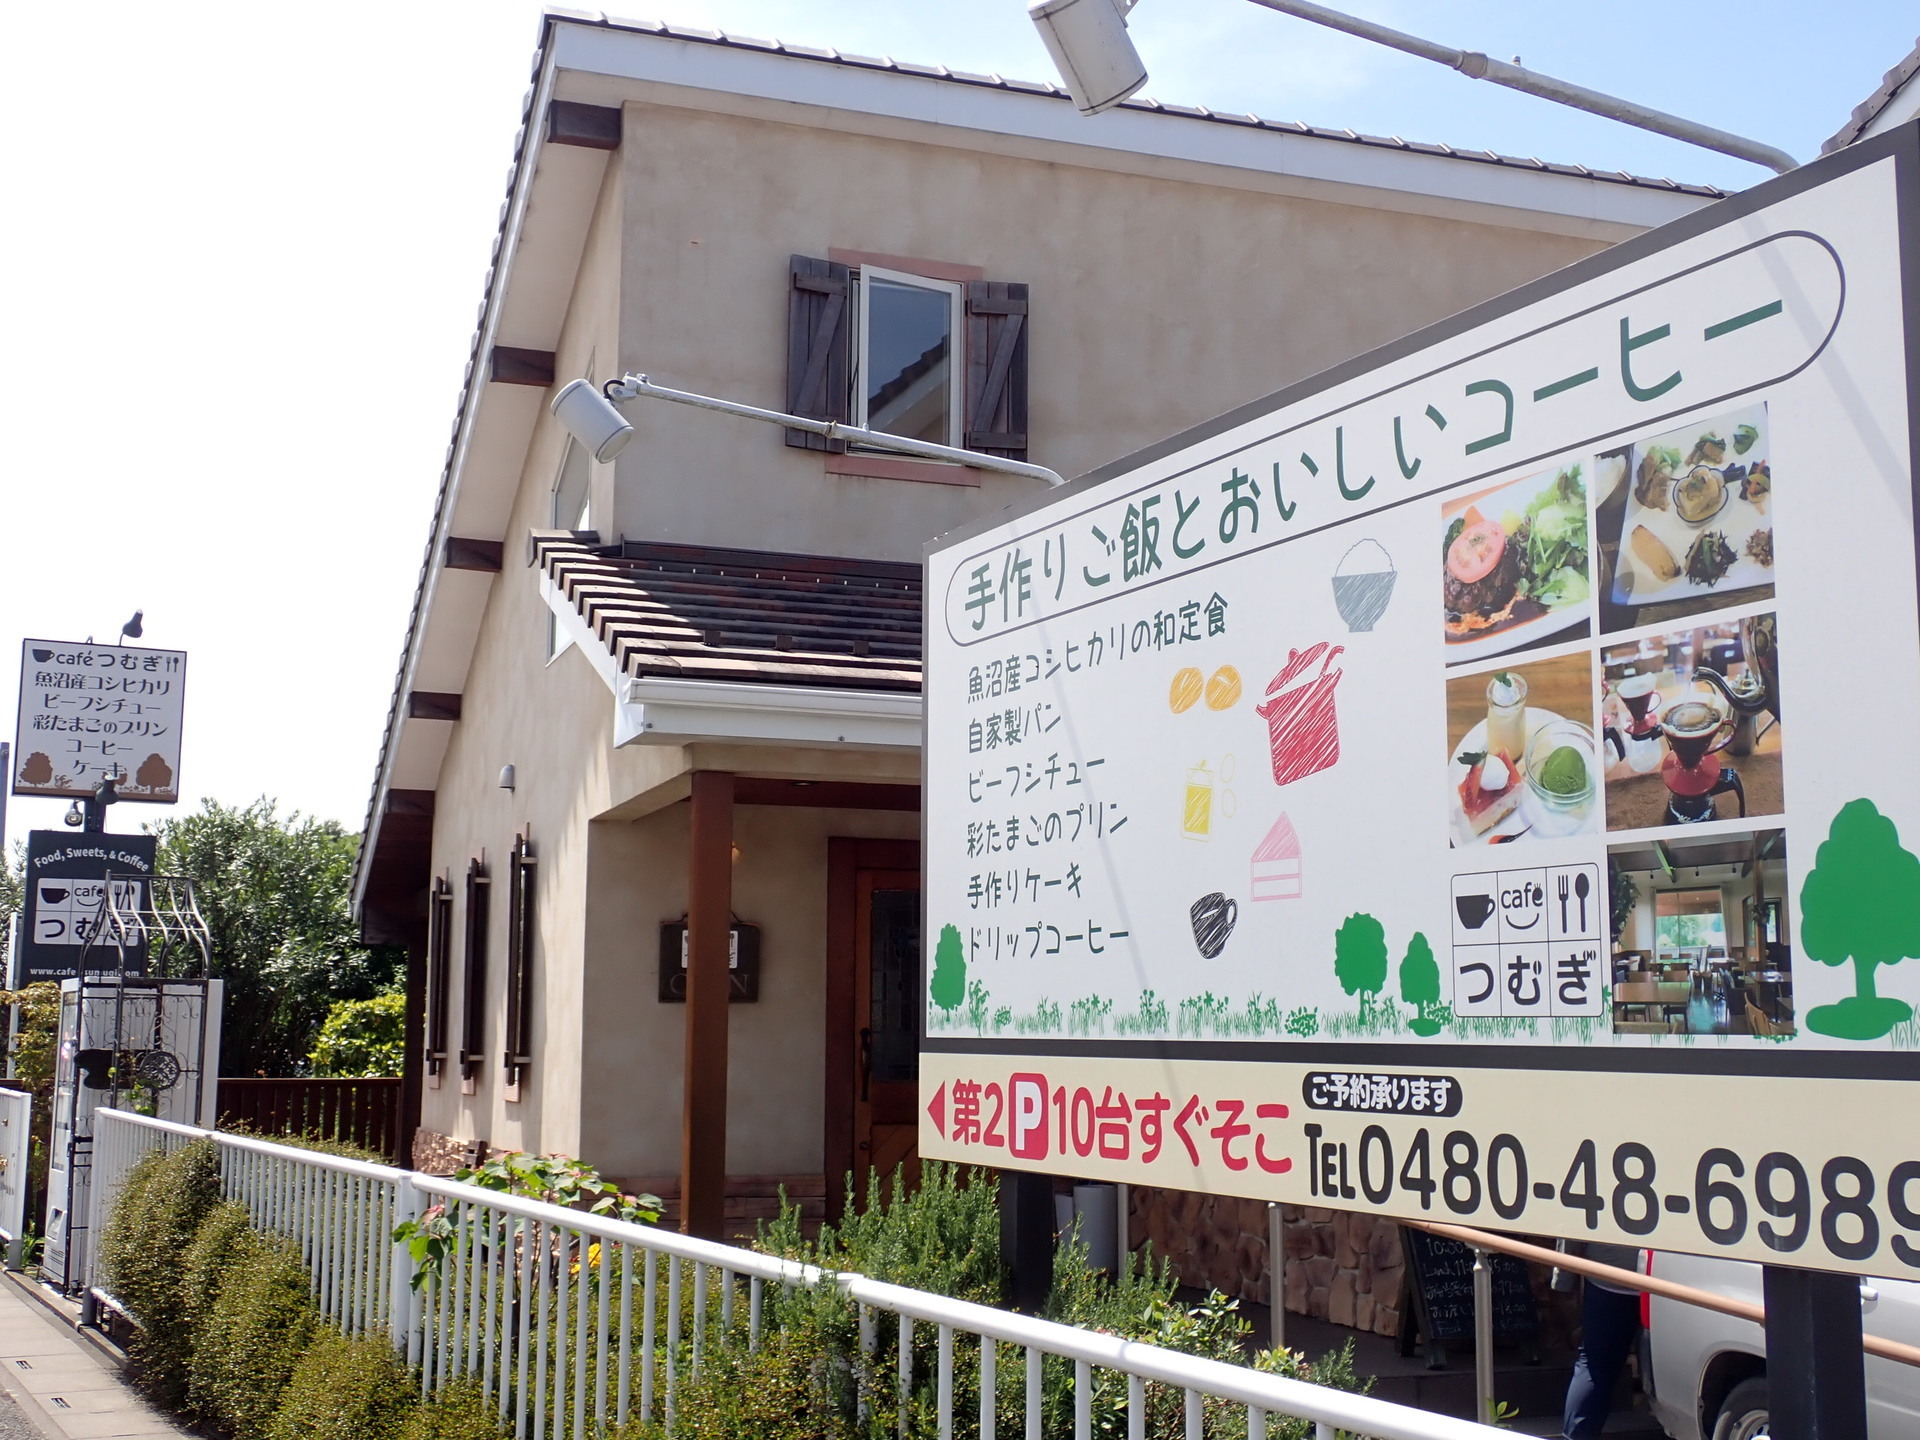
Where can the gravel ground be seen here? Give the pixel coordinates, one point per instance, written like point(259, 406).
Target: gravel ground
point(13, 1424)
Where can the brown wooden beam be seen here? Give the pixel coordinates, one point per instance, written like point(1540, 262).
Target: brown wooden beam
point(703, 1132)
point(432, 705)
point(595, 126)
point(825, 794)
point(468, 554)
point(511, 365)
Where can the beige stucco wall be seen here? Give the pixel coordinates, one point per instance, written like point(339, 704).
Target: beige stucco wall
point(1156, 304)
point(632, 1050)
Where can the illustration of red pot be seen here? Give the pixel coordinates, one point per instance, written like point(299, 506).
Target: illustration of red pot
point(1303, 729)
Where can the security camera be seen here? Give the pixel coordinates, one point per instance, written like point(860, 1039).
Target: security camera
point(591, 419)
point(1091, 49)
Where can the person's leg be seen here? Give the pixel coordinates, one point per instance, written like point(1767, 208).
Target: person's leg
point(1609, 1321)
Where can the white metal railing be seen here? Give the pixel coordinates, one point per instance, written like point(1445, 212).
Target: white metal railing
point(340, 1212)
point(16, 1138)
point(571, 1322)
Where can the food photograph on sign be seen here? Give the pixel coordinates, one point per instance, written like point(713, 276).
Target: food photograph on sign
point(1522, 760)
point(1191, 841)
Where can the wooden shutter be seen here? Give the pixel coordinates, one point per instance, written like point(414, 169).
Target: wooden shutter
point(520, 876)
point(473, 1031)
point(819, 349)
point(996, 350)
point(439, 958)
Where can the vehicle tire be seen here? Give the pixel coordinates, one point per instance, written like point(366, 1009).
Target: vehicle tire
point(1743, 1414)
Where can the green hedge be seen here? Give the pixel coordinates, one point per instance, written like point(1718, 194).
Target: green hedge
point(231, 1337)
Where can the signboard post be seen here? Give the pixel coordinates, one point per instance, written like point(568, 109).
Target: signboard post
point(88, 712)
point(1473, 784)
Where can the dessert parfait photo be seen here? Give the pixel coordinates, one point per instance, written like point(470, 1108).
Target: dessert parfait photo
point(1522, 760)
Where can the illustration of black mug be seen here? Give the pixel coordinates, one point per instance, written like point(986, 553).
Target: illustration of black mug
point(1213, 916)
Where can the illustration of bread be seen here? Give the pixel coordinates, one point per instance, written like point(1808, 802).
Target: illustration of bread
point(1184, 693)
point(1223, 689)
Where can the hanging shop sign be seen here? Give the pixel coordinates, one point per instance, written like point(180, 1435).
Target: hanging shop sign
point(1472, 784)
point(90, 711)
point(74, 880)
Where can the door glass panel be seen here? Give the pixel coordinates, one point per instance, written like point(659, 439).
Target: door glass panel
point(896, 985)
point(908, 385)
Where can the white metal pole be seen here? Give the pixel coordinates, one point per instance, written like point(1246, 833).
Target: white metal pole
point(631, 387)
point(1481, 67)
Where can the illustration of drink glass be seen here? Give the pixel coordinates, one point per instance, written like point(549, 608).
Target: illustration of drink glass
point(1201, 801)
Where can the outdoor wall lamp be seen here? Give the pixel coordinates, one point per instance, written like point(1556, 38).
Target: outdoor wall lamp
point(591, 416)
point(1096, 59)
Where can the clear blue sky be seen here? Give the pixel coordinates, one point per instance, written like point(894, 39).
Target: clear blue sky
point(245, 243)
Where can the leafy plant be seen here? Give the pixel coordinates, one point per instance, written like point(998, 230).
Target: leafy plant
point(162, 1203)
point(261, 1321)
point(362, 1037)
point(345, 1389)
point(561, 1180)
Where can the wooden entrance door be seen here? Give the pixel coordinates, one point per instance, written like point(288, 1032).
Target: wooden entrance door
point(887, 989)
point(874, 989)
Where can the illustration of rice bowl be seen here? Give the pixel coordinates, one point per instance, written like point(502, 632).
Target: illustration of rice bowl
point(1363, 584)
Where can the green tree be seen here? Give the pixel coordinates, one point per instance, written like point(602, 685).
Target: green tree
point(274, 892)
point(948, 989)
point(1420, 985)
point(1861, 903)
point(1360, 957)
point(362, 1037)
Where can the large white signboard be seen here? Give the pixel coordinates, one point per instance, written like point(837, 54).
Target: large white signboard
point(1474, 784)
point(90, 711)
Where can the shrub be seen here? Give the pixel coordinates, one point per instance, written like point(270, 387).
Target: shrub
point(209, 1260)
point(345, 1389)
point(362, 1037)
point(162, 1203)
point(261, 1322)
point(463, 1411)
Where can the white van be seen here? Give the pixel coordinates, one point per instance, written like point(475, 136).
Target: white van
point(1709, 1371)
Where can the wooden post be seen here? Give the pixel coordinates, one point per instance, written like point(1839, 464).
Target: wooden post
point(703, 1126)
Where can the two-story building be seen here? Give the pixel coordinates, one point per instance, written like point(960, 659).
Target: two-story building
point(688, 681)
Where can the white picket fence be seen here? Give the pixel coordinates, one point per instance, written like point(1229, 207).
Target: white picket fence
point(537, 1305)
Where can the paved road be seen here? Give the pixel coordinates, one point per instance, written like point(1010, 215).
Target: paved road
point(57, 1386)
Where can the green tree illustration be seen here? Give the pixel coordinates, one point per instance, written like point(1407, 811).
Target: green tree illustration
point(1360, 957)
point(1861, 903)
point(948, 988)
point(1420, 985)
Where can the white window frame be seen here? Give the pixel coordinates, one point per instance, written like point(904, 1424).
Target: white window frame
point(956, 352)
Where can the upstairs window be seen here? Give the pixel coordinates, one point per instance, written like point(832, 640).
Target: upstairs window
point(905, 379)
point(885, 349)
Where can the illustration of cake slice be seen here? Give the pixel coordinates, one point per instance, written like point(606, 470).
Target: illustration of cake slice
point(1276, 863)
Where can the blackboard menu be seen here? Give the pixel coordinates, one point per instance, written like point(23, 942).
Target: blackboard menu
point(1442, 1272)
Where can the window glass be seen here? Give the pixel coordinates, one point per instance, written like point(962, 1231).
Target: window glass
point(1689, 924)
point(570, 490)
point(896, 985)
point(907, 378)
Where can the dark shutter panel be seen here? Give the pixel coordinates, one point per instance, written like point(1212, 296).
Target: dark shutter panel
point(819, 331)
point(520, 935)
point(439, 962)
point(473, 1030)
point(997, 368)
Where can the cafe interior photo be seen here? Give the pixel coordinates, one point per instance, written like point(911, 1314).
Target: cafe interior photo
point(1700, 935)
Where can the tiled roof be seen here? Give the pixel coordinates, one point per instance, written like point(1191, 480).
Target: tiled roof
point(698, 612)
point(1868, 110)
point(1138, 102)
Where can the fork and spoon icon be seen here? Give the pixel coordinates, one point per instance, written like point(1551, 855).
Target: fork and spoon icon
point(1581, 887)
